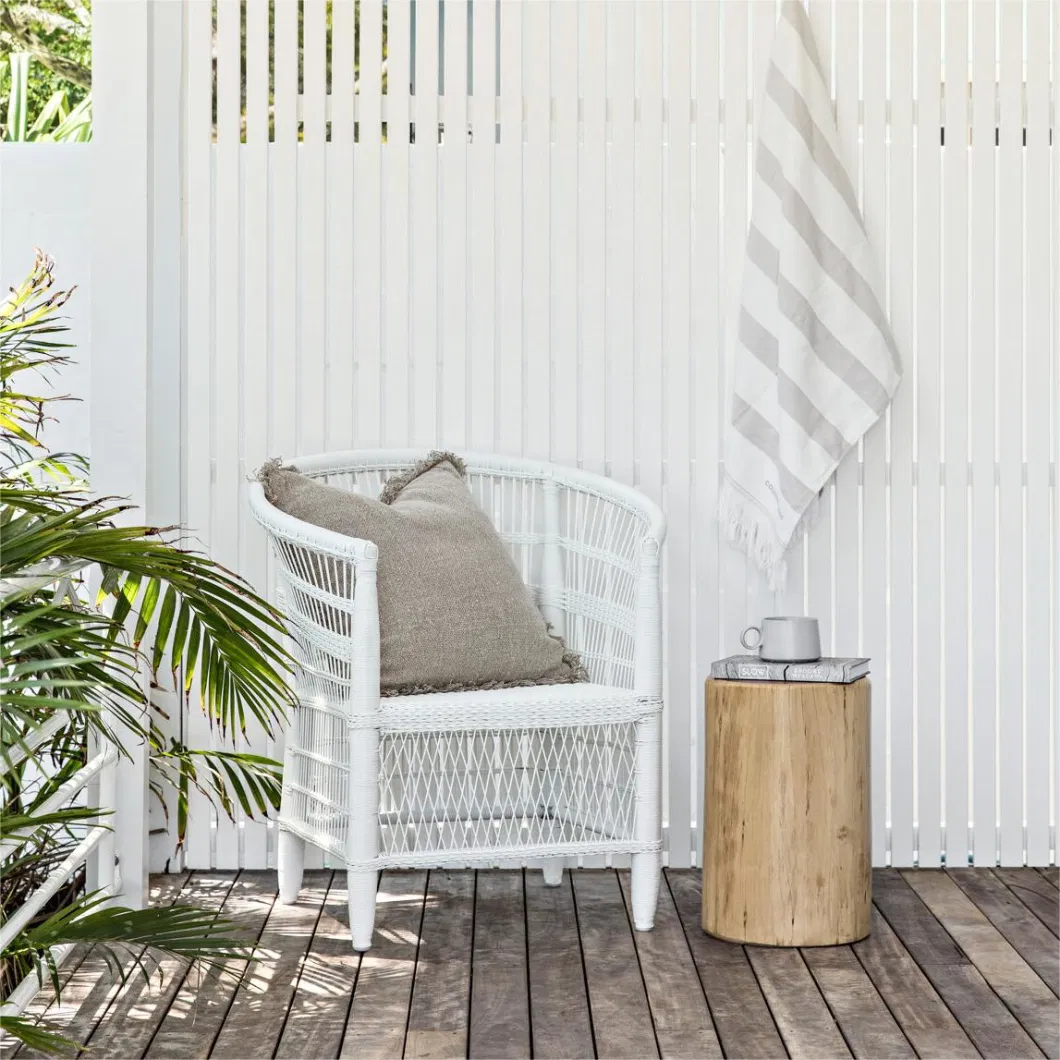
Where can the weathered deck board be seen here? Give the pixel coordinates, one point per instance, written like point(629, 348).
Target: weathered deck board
point(91, 990)
point(441, 989)
point(380, 1008)
point(561, 1024)
point(321, 999)
point(802, 1016)
point(1036, 893)
point(619, 1006)
point(1052, 874)
point(982, 1014)
point(741, 1016)
point(1018, 985)
point(500, 1006)
point(259, 1009)
point(864, 1019)
point(198, 1011)
point(679, 1010)
point(924, 1018)
point(141, 1004)
point(1034, 942)
point(498, 964)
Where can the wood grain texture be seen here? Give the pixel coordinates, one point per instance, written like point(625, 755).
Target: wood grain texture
point(91, 991)
point(1036, 893)
point(142, 1003)
point(441, 989)
point(787, 851)
point(322, 997)
point(259, 1009)
point(377, 1019)
point(500, 1011)
point(621, 1019)
point(985, 1018)
point(923, 1016)
point(1034, 942)
point(867, 1025)
point(199, 1009)
point(559, 1006)
point(683, 1026)
point(1052, 874)
point(1017, 984)
point(741, 1016)
point(801, 1014)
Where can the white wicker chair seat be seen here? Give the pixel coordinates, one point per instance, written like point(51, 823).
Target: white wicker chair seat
point(547, 772)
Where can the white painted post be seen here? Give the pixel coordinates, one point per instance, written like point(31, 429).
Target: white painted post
point(120, 318)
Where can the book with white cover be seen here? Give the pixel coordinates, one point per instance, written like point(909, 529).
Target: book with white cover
point(752, 668)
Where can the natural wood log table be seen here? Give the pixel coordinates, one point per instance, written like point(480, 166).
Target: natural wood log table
point(787, 858)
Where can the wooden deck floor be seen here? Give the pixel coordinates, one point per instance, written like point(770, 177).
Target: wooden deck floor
point(494, 964)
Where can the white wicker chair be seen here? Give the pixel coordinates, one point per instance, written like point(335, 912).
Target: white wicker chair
point(537, 774)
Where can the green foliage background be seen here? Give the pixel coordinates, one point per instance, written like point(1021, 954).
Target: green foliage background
point(56, 25)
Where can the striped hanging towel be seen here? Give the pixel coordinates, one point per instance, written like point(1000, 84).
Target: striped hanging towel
point(815, 363)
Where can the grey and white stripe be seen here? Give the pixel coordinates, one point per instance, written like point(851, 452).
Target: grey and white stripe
point(816, 363)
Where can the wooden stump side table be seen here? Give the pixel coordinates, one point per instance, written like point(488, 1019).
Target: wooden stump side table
point(787, 856)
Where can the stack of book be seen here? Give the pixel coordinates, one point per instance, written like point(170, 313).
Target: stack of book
point(752, 668)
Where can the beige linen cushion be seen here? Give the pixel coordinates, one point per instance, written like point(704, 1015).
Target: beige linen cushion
point(454, 613)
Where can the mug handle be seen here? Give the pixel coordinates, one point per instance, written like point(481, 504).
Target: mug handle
point(758, 641)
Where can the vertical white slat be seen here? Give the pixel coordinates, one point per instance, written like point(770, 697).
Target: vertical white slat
point(704, 390)
point(1054, 469)
point(225, 510)
point(982, 252)
point(367, 235)
point(339, 419)
point(165, 414)
point(648, 254)
point(453, 368)
point(874, 598)
point(846, 495)
point(735, 570)
point(927, 813)
point(565, 371)
point(482, 253)
point(255, 372)
point(121, 253)
point(955, 368)
point(683, 697)
point(1040, 390)
point(396, 401)
point(592, 228)
point(1009, 721)
point(761, 599)
point(283, 244)
point(423, 241)
point(901, 251)
point(509, 363)
point(620, 263)
point(283, 335)
point(818, 552)
point(312, 230)
point(536, 231)
point(198, 133)
point(647, 249)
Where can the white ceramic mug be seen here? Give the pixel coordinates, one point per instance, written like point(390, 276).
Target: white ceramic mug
point(781, 639)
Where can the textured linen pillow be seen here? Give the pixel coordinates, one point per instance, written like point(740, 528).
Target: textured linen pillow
point(454, 613)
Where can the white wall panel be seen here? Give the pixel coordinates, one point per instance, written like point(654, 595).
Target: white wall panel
point(541, 255)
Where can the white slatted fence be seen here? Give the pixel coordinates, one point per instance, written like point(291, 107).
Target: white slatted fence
point(523, 231)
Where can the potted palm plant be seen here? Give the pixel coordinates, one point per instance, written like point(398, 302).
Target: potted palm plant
point(72, 662)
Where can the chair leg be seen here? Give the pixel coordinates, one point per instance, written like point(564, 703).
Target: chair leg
point(553, 871)
point(644, 881)
point(290, 860)
point(361, 888)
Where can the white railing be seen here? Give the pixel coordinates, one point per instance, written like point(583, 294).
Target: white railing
point(97, 779)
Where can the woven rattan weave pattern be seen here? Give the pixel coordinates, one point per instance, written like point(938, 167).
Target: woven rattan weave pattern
point(474, 778)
